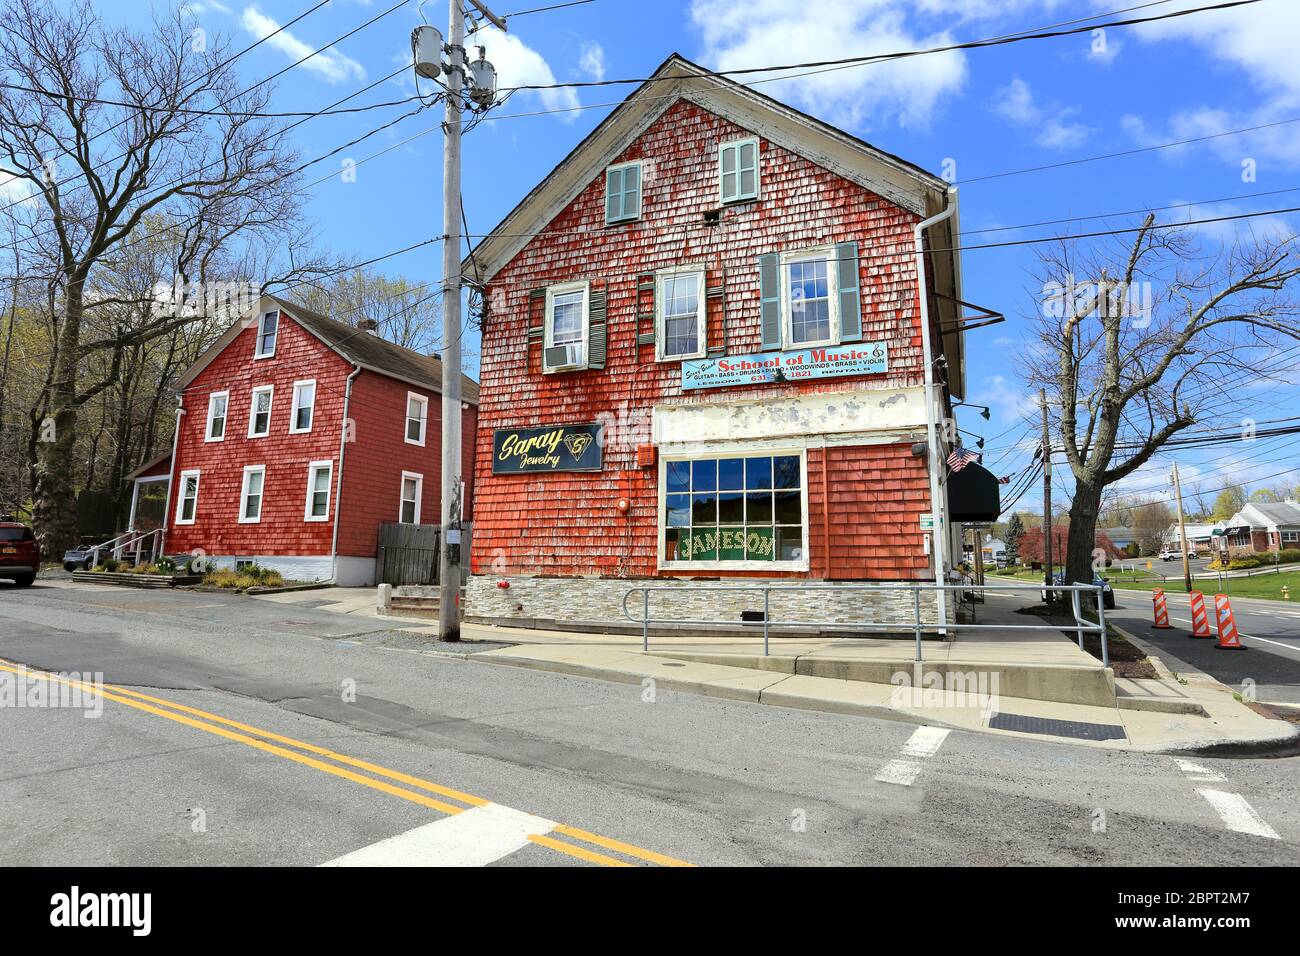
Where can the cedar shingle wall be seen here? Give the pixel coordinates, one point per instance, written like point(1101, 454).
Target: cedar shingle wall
point(567, 523)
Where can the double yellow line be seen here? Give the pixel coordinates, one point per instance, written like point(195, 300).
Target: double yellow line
point(310, 755)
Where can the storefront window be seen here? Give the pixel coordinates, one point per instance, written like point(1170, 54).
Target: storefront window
point(743, 508)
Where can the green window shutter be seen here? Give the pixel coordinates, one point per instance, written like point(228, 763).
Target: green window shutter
point(846, 278)
point(631, 192)
point(769, 295)
point(747, 169)
point(613, 195)
point(597, 325)
point(727, 156)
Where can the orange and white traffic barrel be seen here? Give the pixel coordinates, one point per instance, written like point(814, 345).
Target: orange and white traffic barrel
point(1161, 609)
point(1200, 620)
point(1228, 637)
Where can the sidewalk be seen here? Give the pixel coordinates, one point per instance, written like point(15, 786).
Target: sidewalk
point(1046, 688)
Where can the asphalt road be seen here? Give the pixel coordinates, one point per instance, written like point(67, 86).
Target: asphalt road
point(276, 763)
point(1270, 630)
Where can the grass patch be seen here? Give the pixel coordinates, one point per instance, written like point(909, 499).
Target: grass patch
point(1265, 586)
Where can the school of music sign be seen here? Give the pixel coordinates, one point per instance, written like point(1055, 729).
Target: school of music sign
point(516, 451)
point(861, 358)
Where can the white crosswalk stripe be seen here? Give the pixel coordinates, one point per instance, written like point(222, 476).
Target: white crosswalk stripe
point(924, 742)
point(1237, 814)
point(476, 837)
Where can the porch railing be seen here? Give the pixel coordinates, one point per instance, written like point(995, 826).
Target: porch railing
point(914, 623)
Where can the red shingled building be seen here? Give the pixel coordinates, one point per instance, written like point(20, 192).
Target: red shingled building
point(704, 359)
point(297, 437)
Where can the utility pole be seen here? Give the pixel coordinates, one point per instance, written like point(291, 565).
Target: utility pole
point(481, 88)
point(1047, 494)
point(1182, 530)
point(449, 537)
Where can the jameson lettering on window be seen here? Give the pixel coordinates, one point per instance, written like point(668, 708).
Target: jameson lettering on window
point(744, 508)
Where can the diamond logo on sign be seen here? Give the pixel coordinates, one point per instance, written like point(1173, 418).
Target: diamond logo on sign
point(577, 444)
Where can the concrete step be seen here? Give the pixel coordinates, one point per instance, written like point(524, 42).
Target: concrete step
point(1157, 696)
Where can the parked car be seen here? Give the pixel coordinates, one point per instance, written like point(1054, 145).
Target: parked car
point(1168, 554)
point(20, 554)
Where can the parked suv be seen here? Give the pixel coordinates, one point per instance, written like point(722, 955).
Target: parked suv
point(20, 555)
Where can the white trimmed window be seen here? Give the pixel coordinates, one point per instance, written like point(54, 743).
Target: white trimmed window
point(567, 326)
point(734, 512)
point(417, 418)
point(1291, 537)
point(679, 315)
point(318, 491)
point(412, 491)
point(187, 498)
point(268, 329)
point(250, 494)
point(304, 406)
point(738, 170)
point(623, 192)
point(218, 404)
point(259, 412)
point(810, 313)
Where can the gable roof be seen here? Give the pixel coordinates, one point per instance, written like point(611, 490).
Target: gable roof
point(368, 351)
point(1274, 513)
point(894, 179)
point(675, 79)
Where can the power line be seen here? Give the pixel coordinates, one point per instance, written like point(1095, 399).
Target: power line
point(901, 54)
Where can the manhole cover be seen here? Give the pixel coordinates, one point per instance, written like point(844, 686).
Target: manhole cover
point(296, 623)
point(1057, 728)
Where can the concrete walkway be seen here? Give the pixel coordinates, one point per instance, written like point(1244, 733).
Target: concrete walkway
point(1044, 682)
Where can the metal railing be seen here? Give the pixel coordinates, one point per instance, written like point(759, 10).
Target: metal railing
point(916, 624)
point(128, 541)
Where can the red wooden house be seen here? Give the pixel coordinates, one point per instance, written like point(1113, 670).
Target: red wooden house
point(706, 359)
point(297, 437)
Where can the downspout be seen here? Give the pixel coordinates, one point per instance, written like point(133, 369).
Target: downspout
point(338, 485)
point(171, 478)
point(931, 428)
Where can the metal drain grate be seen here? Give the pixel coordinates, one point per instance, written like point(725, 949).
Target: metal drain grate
point(1057, 728)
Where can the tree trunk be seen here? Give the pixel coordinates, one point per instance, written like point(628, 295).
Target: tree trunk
point(54, 510)
point(1083, 533)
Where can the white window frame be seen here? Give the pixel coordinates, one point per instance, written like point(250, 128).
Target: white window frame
point(1286, 537)
point(736, 144)
point(313, 469)
point(252, 410)
point(225, 418)
point(298, 386)
point(250, 470)
point(548, 323)
point(181, 499)
point(640, 192)
point(832, 291)
point(424, 419)
point(419, 493)
point(261, 323)
point(661, 318)
point(731, 450)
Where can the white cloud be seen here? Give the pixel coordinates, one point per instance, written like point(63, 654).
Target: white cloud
point(1258, 41)
point(1273, 227)
point(592, 62)
point(329, 64)
point(1016, 103)
point(765, 32)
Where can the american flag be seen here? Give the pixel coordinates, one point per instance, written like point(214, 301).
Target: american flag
point(961, 457)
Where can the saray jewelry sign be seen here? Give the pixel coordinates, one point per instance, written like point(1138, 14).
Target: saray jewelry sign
point(862, 358)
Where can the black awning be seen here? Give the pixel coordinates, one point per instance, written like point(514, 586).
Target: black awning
point(973, 495)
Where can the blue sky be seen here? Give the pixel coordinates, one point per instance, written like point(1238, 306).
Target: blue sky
point(982, 111)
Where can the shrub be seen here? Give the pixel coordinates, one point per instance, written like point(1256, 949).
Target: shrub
point(110, 566)
point(165, 565)
point(1288, 555)
point(244, 578)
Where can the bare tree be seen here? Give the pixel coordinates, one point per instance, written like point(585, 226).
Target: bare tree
point(108, 127)
point(1138, 343)
point(406, 313)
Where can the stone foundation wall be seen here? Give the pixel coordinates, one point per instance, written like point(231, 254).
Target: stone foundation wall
point(597, 603)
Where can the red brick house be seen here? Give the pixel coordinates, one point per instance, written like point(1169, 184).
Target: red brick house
point(704, 359)
point(297, 436)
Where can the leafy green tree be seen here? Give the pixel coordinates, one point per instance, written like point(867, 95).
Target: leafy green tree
point(1229, 501)
point(1015, 531)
